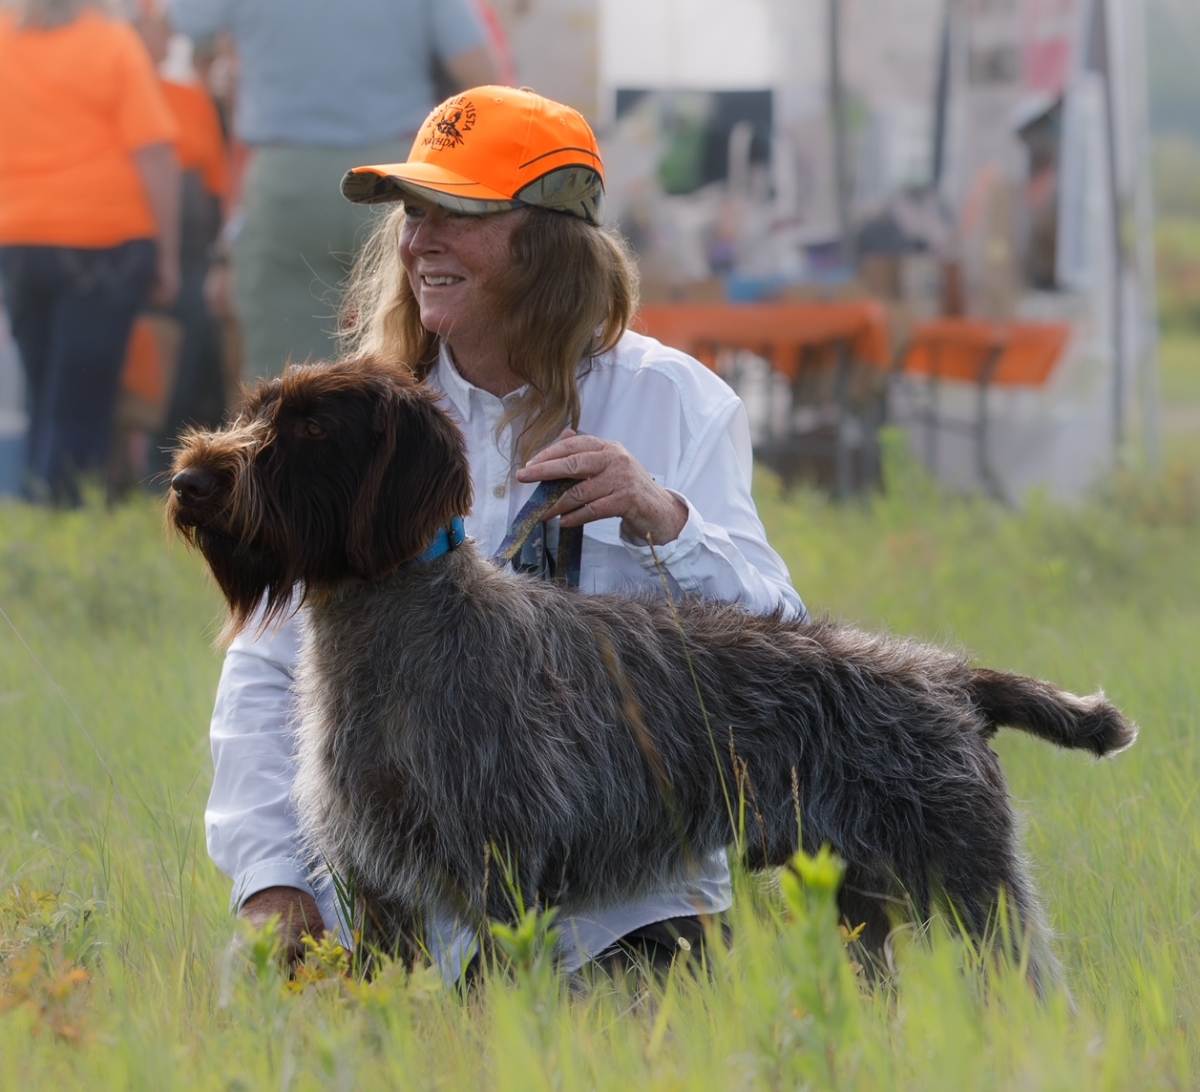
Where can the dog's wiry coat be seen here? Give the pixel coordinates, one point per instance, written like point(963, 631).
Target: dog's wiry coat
point(455, 714)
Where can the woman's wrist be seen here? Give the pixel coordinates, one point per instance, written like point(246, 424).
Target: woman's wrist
point(662, 524)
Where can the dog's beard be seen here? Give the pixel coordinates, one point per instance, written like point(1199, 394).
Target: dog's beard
point(251, 576)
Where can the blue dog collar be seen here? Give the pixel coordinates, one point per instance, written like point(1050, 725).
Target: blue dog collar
point(447, 539)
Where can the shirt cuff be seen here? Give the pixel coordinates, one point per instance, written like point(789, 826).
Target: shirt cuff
point(273, 872)
point(680, 548)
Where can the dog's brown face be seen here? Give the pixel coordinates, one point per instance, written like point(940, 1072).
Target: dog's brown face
point(329, 472)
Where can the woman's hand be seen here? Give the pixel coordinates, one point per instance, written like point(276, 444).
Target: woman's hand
point(297, 914)
point(611, 483)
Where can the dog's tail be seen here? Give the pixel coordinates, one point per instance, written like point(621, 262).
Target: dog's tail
point(1091, 723)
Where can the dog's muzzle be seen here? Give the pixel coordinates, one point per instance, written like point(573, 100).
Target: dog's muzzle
point(195, 489)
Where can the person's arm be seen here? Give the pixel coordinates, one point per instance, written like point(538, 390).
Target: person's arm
point(473, 68)
point(460, 41)
point(147, 132)
point(158, 167)
point(250, 825)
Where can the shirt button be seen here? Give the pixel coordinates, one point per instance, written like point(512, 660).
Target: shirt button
point(499, 491)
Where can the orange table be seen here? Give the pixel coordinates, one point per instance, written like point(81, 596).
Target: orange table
point(985, 354)
point(794, 337)
point(779, 331)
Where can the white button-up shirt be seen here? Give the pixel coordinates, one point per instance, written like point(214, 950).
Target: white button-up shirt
point(690, 431)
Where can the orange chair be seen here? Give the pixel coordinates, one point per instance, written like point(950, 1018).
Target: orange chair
point(986, 355)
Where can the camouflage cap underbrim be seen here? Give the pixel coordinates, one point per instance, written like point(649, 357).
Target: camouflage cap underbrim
point(577, 191)
point(374, 189)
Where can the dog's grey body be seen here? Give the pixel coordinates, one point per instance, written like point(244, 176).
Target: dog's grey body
point(467, 731)
point(599, 744)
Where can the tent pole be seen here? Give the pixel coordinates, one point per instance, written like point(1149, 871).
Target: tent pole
point(837, 115)
point(1104, 31)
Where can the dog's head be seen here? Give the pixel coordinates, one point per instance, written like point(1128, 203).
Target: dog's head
point(328, 472)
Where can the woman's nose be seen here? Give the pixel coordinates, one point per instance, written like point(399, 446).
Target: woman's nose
point(424, 236)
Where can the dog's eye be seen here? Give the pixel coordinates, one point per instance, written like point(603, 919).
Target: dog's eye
point(311, 429)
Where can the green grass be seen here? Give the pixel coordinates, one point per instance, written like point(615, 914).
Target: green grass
point(1179, 361)
point(1177, 245)
point(1177, 250)
point(115, 968)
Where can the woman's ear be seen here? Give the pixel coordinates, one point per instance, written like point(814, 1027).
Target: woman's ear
point(415, 482)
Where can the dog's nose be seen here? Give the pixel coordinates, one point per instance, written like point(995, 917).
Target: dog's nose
point(194, 485)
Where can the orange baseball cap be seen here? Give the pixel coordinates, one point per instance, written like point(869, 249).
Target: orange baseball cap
point(490, 149)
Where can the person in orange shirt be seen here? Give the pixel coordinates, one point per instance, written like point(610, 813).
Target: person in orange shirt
point(89, 222)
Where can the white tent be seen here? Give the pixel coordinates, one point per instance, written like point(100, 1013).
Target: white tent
point(1006, 68)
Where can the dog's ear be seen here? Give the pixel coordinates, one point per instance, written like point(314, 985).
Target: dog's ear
point(416, 481)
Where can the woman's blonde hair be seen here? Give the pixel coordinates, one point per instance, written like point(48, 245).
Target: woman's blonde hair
point(569, 294)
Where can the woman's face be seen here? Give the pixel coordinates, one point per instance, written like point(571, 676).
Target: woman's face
point(453, 261)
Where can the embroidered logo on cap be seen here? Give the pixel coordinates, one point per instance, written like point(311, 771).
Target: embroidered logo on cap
point(455, 119)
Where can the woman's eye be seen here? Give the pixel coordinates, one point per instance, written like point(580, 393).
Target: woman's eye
point(414, 213)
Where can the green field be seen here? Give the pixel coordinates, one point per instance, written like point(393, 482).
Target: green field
point(115, 963)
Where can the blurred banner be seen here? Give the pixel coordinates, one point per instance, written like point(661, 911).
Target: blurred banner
point(1049, 29)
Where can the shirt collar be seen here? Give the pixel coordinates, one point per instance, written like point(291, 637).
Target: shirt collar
point(463, 394)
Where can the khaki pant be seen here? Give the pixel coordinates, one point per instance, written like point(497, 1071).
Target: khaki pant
point(296, 245)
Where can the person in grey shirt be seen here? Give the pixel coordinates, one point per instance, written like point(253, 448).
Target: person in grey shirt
point(321, 85)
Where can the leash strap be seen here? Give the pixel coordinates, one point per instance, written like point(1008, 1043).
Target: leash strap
point(529, 530)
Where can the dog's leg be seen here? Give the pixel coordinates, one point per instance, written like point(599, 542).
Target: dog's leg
point(513, 884)
point(993, 897)
point(1042, 966)
point(388, 931)
point(863, 907)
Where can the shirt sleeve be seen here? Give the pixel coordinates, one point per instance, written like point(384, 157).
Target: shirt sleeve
point(722, 552)
point(143, 116)
point(457, 27)
point(250, 824)
point(200, 18)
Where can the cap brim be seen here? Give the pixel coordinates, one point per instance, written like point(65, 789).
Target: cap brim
point(379, 184)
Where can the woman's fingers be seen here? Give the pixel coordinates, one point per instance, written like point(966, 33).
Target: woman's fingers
point(601, 508)
point(575, 464)
point(585, 493)
point(563, 447)
point(612, 483)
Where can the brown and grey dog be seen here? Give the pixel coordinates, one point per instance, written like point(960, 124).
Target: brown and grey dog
point(454, 711)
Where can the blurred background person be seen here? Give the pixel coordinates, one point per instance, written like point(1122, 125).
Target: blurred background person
point(320, 85)
point(1040, 134)
point(214, 62)
point(89, 222)
point(195, 392)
